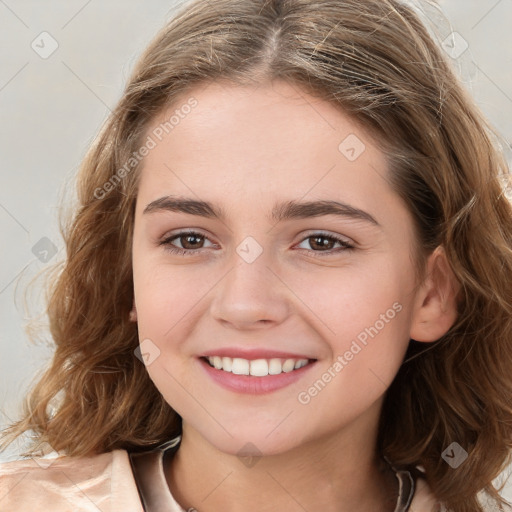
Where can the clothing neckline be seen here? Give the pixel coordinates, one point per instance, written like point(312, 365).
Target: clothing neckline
point(155, 495)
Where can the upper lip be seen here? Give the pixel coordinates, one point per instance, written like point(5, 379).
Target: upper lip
point(253, 353)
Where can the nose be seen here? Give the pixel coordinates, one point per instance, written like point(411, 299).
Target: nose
point(251, 296)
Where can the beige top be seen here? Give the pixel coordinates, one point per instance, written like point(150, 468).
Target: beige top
point(117, 481)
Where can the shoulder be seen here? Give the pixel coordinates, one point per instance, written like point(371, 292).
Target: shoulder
point(424, 500)
point(69, 484)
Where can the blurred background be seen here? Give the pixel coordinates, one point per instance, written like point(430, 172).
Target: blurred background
point(63, 67)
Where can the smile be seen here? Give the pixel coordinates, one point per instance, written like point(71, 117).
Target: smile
point(256, 367)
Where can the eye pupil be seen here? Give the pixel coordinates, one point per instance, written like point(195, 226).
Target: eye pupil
point(326, 240)
point(195, 239)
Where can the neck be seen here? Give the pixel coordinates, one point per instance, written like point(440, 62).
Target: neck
point(337, 473)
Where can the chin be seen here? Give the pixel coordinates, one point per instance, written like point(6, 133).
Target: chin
point(252, 441)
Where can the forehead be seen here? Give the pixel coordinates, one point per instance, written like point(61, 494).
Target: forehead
point(254, 122)
point(222, 113)
point(271, 138)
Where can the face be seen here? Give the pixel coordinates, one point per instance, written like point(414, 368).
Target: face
point(259, 275)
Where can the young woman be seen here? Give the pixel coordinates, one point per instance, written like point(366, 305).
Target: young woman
point(288, 282)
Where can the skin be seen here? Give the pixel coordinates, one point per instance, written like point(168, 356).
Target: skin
point(246, 148)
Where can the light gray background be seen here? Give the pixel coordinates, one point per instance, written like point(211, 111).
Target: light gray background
point(51, 109)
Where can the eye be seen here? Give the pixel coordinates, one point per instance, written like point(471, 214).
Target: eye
point(326, 242)
point(191, 243)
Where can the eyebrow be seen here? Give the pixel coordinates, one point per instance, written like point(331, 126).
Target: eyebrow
point(280, 212)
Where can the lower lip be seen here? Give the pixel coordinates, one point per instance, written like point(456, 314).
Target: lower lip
point(254, 385)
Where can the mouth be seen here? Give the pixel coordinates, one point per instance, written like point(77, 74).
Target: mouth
point(255, 370)
point(256, 367)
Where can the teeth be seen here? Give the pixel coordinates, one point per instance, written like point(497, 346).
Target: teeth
point(288, 365)
point(275, 367)
point(240, 366)
point(256, 367)
point(227, 363)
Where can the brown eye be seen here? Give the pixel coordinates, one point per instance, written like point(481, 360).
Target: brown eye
point(190, 241)
point(321, 242)
point(325, 243)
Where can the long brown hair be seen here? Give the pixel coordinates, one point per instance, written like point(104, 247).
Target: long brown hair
point(376, 61)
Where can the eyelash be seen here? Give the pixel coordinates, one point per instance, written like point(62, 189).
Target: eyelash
point(346, 246)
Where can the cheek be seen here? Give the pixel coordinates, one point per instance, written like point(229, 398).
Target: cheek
point(364, 319)
point(366, 355)
point(343, 302)
point(168, 299)
point(166, 295)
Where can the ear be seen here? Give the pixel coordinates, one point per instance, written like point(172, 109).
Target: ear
point(435, 308)
point(133, 312)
